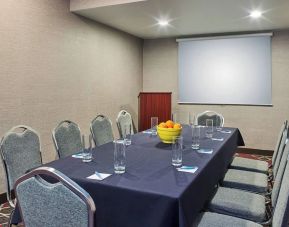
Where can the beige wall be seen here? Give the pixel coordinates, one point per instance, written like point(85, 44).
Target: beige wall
point(258, 125)
point(55, 65)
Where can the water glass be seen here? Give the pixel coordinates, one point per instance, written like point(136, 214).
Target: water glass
point(192, 119)
point(196, 134)
point(127, 134)
point(87, 153)
point(219, 123)
point(177, 149)
point(119, 156)
point(154, 123)
point(209, 128)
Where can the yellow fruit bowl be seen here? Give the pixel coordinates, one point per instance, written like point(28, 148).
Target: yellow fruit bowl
point(166, 135)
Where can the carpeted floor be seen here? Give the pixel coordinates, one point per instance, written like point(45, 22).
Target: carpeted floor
point(5, 209)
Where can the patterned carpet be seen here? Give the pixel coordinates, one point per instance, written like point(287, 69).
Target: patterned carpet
point(5, 209)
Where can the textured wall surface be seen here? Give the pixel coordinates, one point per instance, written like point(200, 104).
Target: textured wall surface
point(55, 65)
point(259, 125)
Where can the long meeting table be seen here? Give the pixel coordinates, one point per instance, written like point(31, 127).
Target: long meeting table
point(152, 193)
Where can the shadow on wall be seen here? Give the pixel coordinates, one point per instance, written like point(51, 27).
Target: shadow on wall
point(133, 114)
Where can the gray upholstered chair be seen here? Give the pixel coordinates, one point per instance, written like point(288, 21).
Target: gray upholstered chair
point(124, 118)
point(101, 130)
point(258, 165)
point(20, 152)
point(218, 119)
point(280, 208)
point(253, 181)
point(251, 206)
point(46, 204)
point(67, 138)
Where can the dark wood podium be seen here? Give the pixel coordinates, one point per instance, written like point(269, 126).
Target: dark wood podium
point(153, 104)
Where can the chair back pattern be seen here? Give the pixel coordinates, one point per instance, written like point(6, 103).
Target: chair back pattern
point(20, 152)
point(67, 138)
point(101, 130)
point(218, 119)
point(124, 118)
point(46, 204)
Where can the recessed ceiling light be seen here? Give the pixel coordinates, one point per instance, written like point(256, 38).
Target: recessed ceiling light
point(163, 23)
point(256, 14)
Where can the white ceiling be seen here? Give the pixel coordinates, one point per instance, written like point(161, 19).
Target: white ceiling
point(187, 17)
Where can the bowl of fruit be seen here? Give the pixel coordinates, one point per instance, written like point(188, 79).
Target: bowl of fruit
point(168, 130)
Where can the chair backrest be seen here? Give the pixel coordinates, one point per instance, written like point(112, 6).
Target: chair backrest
point(45, 204)
point(124, 118)
point(281, 210)
point(218, 119)
point(101, 130)
point(20, 152)
point(280, 152)
point(283, 127)
point(279, 176)
point(67, 138)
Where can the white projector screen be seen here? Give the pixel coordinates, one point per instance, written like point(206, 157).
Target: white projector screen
point(225, 70)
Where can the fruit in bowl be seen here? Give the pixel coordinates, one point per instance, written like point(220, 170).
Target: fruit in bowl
point(168, 130)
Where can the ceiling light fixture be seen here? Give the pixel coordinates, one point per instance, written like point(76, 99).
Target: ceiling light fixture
point(256, 14)
point(163, 23)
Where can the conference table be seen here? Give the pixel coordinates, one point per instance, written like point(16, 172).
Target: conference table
point(152, 192)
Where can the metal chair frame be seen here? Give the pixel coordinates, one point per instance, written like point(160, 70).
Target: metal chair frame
point(91, 124)
point(209, 112)
point(54, 130)
point(8, 189)
point(66, 181)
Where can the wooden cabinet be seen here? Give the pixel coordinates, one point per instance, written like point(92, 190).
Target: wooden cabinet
point(153, 104)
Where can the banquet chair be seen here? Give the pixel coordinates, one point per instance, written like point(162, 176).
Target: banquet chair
point(248, 205)
point(254, 181)
point(20, 152)
point(124, 118)
point(67, 138)
point(101, 130)
point(46, 204)
point(218, 119)
point(258, 165)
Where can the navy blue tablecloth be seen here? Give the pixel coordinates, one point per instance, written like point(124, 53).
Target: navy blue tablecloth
point(152, 193)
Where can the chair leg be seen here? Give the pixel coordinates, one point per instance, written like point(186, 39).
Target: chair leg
point(10, 217)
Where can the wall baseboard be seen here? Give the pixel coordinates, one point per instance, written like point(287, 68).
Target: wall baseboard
point(255, 151)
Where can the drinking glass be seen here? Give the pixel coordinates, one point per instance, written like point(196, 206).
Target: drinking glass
point(119, 156)
point(154, 123)
point(219, 124)
point(177, 149)
point(87, 153)
point(192, 119)
point(127, 134)
point(196, 134)
point(209, 128)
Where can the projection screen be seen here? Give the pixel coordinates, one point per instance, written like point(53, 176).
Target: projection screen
point(225, 70)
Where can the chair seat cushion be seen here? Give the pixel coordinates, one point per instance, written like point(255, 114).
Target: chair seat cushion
point(245, 180)
point(239, 203)
point(250, 165)
point(219, 220)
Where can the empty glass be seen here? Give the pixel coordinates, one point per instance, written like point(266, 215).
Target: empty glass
point(196, 134)
point(192, 119)
point(119, 156)
point(127, 134)
point(209, 128)
point(154, 123)
point(87, 153)
point(219, 123)
point(177, 149)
